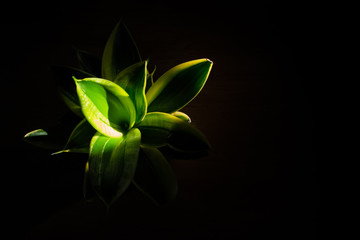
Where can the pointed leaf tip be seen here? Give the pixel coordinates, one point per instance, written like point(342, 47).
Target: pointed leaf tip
point(120, 52)
point(62, 77)
point(36, 133)
point(178, 86)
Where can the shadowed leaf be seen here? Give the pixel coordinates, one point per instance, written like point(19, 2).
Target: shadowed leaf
point(154, 176)
point(63, 78)
point(112, 164)
point(54, 137)
point(119, 53)
point(79, 140)
point(160, 129)
point(89, 63)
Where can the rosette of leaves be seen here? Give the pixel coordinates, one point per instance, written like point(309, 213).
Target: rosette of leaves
point(124, 117)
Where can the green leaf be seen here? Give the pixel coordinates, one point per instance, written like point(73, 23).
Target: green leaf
point(178, 86)
point(63, 78)
point(106, 106)
point(54, 137)
point(112, 164)
point(160, 129)
point(133, 81)
point(119, 53)
point(153, 136)
point(182, 116)
point(89, 63)
point(79, 140)
point(154, 176)
point(38, 138)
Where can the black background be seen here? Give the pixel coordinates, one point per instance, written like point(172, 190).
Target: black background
point(256, 109)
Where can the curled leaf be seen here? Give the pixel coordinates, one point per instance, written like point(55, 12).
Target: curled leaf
point(106, 106)
point(182, 116)
point(133, 81)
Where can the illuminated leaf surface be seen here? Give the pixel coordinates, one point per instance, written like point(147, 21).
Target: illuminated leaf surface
point(166, 129)
point(182, 116)
point(106, 106)
point(154, 176)
point(112, 164)
point(133, 81)
point(178, 86)
point(119, 53)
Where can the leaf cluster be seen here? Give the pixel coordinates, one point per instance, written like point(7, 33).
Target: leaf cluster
point(125, 118)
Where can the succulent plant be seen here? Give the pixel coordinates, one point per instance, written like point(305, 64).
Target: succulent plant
point(124, 117)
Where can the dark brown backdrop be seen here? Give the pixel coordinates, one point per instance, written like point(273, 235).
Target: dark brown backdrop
point(256, 110)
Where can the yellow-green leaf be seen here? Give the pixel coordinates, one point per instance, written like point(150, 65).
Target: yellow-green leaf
point(178, 86)
point(106, 106)
point(182, 116)
point(54, 137)
point(133, 81)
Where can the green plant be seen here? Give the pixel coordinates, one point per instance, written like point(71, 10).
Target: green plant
point(125, 117)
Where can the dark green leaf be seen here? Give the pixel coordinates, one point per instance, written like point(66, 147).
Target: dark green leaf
point(133, 81)
point(154, 136)
point(178, 86)
point(38, 138)
point(63, 78)
point(154, 176)
point(79, 140)
point(119, 53)
point(112, 164)
point(106, 106)
point(89, 63)
point(54, 137)
point(159, 129)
